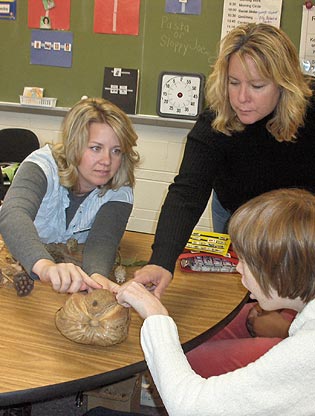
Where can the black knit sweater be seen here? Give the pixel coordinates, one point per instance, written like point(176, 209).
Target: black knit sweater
point(238, 167)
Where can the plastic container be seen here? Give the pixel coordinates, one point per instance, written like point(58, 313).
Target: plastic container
point(39, 102)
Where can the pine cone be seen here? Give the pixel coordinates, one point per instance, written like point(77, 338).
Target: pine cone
point(23, 283)
point(120, 274)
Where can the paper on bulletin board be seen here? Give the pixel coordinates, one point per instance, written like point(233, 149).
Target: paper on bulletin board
point(8, 9)
point(119, 17)
point(307, 41)
point(51, 48)
point(237, 12)
point(183, 6)
point(59, 15)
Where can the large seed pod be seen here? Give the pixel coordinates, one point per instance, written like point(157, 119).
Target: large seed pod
point(23, 283)
point(94, 318)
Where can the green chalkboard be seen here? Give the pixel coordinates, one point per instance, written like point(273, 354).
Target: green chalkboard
point(166, 41)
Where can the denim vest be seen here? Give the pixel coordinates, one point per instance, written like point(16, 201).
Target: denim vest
point(50, 221)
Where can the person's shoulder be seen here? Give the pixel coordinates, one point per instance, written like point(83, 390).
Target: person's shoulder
point(310, 81)
point(41, 153)
point(207, 115)
point(203, 122)
point(122, 194)
point(310, 113)
point(44, 159)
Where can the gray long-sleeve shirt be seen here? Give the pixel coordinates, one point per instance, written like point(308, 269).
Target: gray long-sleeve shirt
point(19, 210)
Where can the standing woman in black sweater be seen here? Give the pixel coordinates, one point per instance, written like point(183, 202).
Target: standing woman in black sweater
point(256, 135)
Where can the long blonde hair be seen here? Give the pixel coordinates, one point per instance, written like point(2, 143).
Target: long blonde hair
point(75, 137)
point(276, 59)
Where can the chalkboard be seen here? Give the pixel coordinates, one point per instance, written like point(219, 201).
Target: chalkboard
point(173, 42)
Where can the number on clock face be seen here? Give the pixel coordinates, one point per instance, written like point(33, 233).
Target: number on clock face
point(180, 95)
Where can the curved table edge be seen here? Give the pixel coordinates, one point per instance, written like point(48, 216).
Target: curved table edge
point(69, 388)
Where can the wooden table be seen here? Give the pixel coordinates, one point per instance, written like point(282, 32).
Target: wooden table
point(38, 363)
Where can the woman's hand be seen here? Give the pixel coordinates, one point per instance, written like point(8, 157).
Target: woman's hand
point(156, 276)
point(105, 283)
point(136, 295)
point(64, 277)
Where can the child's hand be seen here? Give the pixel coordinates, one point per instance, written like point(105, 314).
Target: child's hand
point(136, 295)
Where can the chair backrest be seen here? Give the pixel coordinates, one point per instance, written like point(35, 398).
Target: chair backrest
point(16, 144)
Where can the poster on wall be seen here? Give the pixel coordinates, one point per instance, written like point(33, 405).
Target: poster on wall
point(237, 12)
point(307, 41)
point(118, 17)
point(8, 9)
point(51, 48)
point(183, 6)
point(120, 86)
point(49, 14)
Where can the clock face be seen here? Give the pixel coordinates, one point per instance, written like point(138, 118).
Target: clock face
point(180, 95)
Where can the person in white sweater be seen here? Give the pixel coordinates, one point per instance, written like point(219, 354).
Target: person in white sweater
point(274, 237)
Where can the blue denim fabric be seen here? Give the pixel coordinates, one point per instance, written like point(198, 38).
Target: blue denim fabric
point(220, 216)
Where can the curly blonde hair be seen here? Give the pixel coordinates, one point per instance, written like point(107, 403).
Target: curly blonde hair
point(276, 59)
point(75, 137)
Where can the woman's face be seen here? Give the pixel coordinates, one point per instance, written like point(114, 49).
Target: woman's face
point(251, 97)
point(101, 159)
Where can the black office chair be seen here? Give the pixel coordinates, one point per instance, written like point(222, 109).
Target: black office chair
point(15, 145)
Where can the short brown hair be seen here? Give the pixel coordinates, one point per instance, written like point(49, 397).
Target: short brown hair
point(274, 234)
point(75, 137)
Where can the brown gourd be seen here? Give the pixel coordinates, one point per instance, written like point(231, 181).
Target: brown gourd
point(93, 318)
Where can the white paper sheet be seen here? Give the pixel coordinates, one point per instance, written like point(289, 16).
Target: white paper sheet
point(236, 12)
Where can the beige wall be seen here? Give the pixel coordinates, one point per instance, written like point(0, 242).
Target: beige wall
point(161, 150)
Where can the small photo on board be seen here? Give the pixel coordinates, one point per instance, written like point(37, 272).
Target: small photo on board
point(48, 4)
point(56, 46)
point(45, 22)
point(37, 44)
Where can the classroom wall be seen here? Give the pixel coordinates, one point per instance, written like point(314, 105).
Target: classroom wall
point(161, 150)
point(152, 51)
point(172, 42)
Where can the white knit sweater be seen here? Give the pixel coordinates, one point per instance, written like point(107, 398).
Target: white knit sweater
point(281, 382)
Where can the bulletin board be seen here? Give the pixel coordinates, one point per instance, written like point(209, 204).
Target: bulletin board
point(173, 42)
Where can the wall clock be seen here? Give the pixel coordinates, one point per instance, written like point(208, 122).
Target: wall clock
point(180, 94)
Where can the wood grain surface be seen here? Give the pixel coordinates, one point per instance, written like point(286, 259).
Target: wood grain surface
point(37, 362)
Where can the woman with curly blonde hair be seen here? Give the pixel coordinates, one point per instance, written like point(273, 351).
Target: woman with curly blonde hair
point(80, 188)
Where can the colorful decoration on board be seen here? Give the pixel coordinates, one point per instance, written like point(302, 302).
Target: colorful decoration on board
point(51, 48)
point(120, 86)
point(49, 14)
point(8, 9)
point(183, 6)
point(118, 17)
